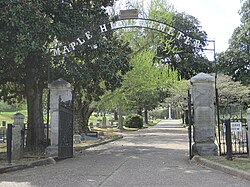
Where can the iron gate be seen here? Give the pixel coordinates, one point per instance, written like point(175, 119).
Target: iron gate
point(189, 121)
point(65, 137)
point(238, 135)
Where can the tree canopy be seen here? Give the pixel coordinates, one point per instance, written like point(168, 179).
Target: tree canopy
point(235, 60)
point(30, 28)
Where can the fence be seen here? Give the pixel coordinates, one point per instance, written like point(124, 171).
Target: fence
point(237, 136)
point(3, 136)
point(28, 148)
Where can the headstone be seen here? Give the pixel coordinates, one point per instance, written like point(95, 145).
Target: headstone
point(203, 95)
point(77, 139)
point(89, 136)
point(108, 123)
point(98, 124)
point(104, 122)
point(63, 89)
point(91, 125)
point(18, 136)
point(4, 123)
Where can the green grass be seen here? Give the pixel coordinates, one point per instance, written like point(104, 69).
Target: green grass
point(3, 147)
point(152, 123)
point(8, 116)
point(238, 163)
point(95, 119)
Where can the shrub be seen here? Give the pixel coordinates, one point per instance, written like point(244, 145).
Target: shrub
point(134, 121)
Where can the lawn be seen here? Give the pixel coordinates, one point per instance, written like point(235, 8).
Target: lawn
point(8, 116)
point(237, 162)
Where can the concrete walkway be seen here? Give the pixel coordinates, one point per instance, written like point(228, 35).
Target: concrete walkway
point(153, 157)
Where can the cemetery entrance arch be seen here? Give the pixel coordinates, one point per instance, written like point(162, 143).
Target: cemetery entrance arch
point(154, 25)
point(127, 23)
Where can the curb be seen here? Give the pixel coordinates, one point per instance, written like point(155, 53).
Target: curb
point(49, 160)
point(41, 162)
point(220, 167)
point(97, 144)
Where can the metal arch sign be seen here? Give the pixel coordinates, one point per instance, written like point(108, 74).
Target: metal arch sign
point(128, 23)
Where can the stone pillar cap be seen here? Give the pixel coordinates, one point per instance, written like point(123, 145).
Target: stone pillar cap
point(18, 114)
point(60, 83)
point(202, 77)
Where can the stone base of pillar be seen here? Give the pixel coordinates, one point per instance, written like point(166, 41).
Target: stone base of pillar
point(52, 151)
point(205, 149)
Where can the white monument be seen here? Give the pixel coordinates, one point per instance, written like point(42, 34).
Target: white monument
point(169, 112)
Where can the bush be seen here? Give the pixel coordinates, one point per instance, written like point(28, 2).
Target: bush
point(134, 121)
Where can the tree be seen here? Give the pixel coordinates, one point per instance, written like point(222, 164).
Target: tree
point(186, 59)
point(24, 39)
point(143, 88)
point(97, 71)
point(95, 67)
point(235, 60)
point(178, 92)
point(141, 92)
point(28, 30)
point(232, 93)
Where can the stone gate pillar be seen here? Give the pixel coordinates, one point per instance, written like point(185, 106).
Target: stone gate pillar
point(63, 89)
point(203, 95)
point(18, 136)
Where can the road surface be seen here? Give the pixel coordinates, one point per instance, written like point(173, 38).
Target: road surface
point(153, 157)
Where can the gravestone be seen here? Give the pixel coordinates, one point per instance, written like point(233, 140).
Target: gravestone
point(98, 124)
point(89, 136)
point(203, 96)
point(108, 123)
point(104, 122)
point(91, 125)
point(77, 139)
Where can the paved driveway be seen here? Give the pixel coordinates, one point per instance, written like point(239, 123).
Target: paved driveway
point(152, 157)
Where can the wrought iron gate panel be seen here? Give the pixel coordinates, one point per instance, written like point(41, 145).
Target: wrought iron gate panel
point(238, 136)
point(65, 137)
point(190, 125)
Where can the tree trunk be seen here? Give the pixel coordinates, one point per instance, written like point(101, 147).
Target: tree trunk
point(139, 111)
point(86, 113)
point(35, 137)
point(120, 120)
point(77, 117)
point(115, 115)
point(146, 116)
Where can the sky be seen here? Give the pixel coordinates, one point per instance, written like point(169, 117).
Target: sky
point(218, 18)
